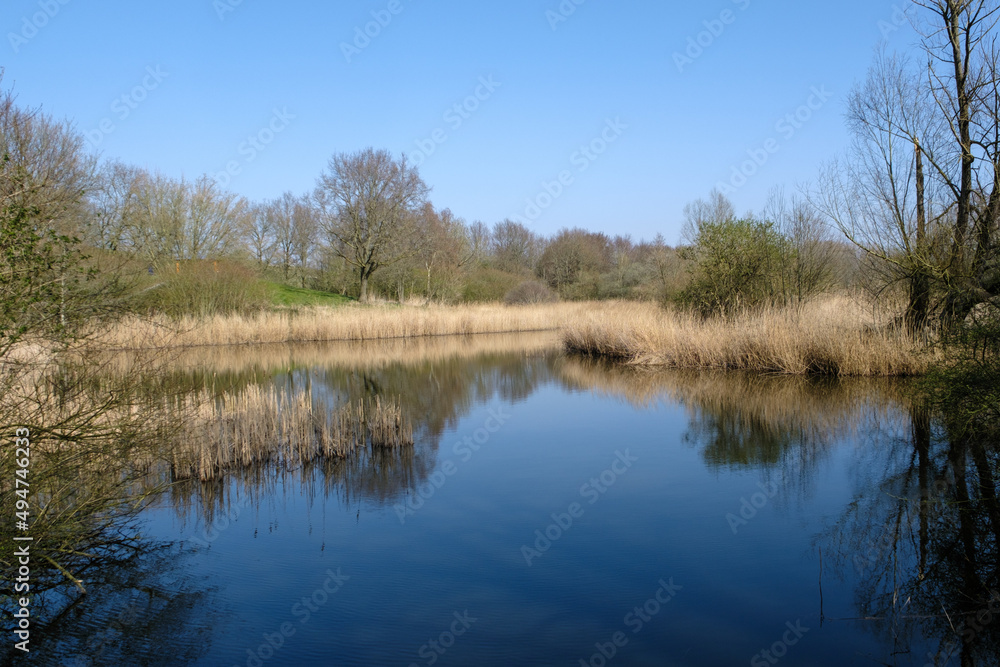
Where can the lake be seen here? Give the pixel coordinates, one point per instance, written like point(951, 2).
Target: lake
point(564, 511)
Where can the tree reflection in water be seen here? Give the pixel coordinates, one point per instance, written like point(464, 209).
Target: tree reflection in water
point(145, 611)
point(918, 544)
point(436, 382)
point(922, 538)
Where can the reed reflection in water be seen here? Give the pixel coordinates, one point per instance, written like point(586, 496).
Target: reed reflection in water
point(908, 558)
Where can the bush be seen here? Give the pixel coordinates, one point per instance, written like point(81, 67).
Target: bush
point(529, 292)
point(205, 288)
point(737, 266)
point(488, 284)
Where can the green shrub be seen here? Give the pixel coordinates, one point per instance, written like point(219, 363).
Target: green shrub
point(488, 284)
point(205, 288)
point(737, 266)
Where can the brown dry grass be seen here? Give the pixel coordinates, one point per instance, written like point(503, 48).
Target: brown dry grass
point(353, 322)
point(340, 354)
point(831, 336)
point(260, 426)
point(835, 335)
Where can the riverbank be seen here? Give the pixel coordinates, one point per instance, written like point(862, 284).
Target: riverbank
point(343, 323)
point(836, 335)
point(832, 336)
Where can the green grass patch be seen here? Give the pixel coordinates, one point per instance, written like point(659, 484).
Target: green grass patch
point(285, 295)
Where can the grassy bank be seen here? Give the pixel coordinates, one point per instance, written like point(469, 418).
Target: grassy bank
point(348, 322)
point(832, 336)
point(297, 297)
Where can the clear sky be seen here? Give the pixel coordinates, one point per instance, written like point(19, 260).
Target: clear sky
point(181, 87)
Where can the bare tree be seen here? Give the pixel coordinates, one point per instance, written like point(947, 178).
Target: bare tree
point(305, 226)
point(368, 202)
point(808, 265)
point(180, 220)
point(281, 219)
point(45, 166)
point(716, 209)
point(960, 38)
point(920, 192)
point(479, 236)
point(158, 222)
point(212, 219)
point(880, 196)
point(515, 248)
point(113, 203)
point(622, 258)
point(258, 235)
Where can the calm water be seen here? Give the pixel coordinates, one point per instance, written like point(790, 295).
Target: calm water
point(558, 511)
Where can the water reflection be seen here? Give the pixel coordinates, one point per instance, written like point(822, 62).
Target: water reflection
point(436, 382)
point(147, 610)
point(917, 544)
point(922, 538)
point(735, 420)
point(744, 420)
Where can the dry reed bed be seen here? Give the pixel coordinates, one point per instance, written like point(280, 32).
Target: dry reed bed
point(262, 425)
point(353, 322)
point(348, 355)
point(834, 336)
point(199, 435)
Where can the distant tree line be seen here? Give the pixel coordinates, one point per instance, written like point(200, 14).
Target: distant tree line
point(912, 210)
point(368, 228)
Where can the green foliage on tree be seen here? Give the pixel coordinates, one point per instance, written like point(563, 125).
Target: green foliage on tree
point(737, 264)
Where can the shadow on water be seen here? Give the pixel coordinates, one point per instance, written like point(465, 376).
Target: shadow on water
point(148, 611)
point(917, 544)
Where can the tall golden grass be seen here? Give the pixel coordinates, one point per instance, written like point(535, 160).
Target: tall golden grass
point(353, 322)
point(836, 335)
point(348, 355)
point(264, 425)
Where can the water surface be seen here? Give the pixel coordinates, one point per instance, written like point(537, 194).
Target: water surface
point(558, 511)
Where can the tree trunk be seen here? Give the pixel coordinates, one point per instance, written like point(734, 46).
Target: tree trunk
point(957, 279)
point(916, 310)
point(363, 298)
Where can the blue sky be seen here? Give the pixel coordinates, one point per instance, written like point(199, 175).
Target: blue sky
point(182, 87)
